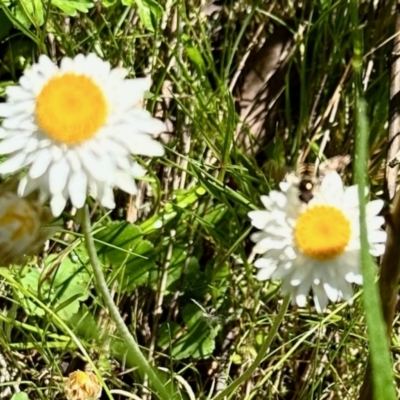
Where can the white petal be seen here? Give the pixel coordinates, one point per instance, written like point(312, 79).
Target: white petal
point(7, 109)
point(66, 64)
point(77, 188)
point(320, 298)
point(58, 176)
point(12, 144)
point(377, 249)
point(47, 67)
point(143, 122)
point(378, 236)
point(137, 170)
point(57, 204)
point(133, 89)
point(73, 160)
point(146, 147)
point(126, 183)
point(5, 133)
point(259, 219)
point(92, 164)
point(351, 277)
point(374, 207)
point(27, 186)
point(107, 197)
point(13, 164)
point(267, 202)
point(278, 198)
point(41, 163)
point(301, 300)
point(17, 93)
point(332, 183)
point(19, 121)
point(331, 292)
point(351, 199)
point(265, 273)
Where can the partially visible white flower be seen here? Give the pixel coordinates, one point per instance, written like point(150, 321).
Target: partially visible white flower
point(74, 128)
point(21, 228)
point(316, 245)
point(82, 386)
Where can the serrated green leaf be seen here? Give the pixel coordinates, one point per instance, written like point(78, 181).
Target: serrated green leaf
point(21, 16)
point(33, 9)
point(72, 7)
point(149, 12)
point(198, 343)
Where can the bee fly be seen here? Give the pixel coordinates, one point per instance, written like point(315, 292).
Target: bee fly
point(308, 176)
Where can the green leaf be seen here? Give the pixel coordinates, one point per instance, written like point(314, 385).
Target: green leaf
point(71, 288)
point(31, 11)
point(115, 243)
point(5, 25)
point(20, 396)
point(84, 324)
point(71, 7)
point(166, 333)
point(150, 12)
point(108, 3)
point(199, 341)
point(137, 268)
point(31, 281)
point(179, 263)
point(64, 291)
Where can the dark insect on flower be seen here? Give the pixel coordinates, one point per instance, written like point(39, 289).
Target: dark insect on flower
point(309, 176)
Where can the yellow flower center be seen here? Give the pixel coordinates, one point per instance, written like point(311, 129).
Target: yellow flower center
point(22, 219)
point(71, 108)
point(322, 232)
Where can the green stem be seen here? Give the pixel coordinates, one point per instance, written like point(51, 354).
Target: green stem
point(261, 354)
point(143, 365)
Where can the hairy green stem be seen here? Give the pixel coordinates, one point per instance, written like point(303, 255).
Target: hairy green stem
point(161, 390)
point(261, 354)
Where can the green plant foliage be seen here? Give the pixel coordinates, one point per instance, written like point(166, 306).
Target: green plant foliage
point(20, 396)
point(31, 12)
point(121, 244)
point(150, 12)
point(73, 7)
point(198, 340)
point(183, 271)
point(63, 290)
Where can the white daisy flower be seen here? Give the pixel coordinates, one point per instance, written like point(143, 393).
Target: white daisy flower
point(316, 245)
point(21, 227)
point(74, 128)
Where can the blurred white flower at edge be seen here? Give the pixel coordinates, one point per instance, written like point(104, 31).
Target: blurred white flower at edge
point(23, 227)
point(316, 245)
point(74, 128)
